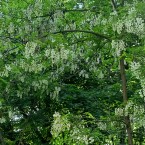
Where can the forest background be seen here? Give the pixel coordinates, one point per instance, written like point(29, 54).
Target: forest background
point(72, 72)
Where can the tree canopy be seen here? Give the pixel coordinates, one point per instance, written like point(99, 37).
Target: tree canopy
point(72, 72)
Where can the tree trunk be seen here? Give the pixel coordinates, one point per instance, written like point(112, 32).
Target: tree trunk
point(125, 98)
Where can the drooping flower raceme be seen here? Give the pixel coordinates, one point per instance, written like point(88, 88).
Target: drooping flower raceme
point(117, 47)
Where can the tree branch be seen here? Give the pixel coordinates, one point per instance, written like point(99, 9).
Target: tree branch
point(84, 31)
point(8, 50)
point(76, 10)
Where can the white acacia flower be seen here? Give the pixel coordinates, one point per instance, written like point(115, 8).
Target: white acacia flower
point(139, 26)
point(56, 115)
point(119, 111)
point(8, 67)
point(11, 28)
point(2, 120)
point(117, 47)
point(135, 69)
point(131, 10)
point(102, 125)
point(129, 25)
point(30, 49)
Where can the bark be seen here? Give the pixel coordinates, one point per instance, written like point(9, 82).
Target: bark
point(125, 98)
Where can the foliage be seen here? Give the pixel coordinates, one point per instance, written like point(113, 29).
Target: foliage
point(59, 78)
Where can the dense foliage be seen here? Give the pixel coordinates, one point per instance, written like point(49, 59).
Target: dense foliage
point(65, 68)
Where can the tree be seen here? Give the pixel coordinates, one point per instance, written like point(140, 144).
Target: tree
point(60, 80)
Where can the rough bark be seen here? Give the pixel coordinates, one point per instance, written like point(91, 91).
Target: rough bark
point(125, 98)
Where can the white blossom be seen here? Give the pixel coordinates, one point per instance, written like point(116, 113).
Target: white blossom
point(117, 47)
point(119, 111)
point(30, 49)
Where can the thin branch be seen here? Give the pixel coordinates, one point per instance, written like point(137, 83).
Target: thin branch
point(13, 40)
point(84, 31)
point(8, 50)
point(50, 14)
point(76, 10)
point(79, 41)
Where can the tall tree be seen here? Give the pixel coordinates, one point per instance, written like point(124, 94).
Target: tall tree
point(59, 78)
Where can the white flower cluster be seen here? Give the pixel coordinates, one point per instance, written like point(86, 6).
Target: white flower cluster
point(102, 125)
point(11, 28)
point(128, 107)
point(132, 10)
point(135, 66)
point(27, 28)
point(131, 23)
point(138, 110)
point(85, 139)
point(55, 93)
point(84, 74)
point(142, 90)
point(30, 49)
point(57, 57)
point(129, 26)
point(73, 67)
point(2, 120)
point(68, 58)
point(80, 136)
point(33, 66)
point(138, 116)
point(28, 12)
point(135, 26)
point(8, 67)
point(118, 26)
point(139, 121)
point(38, 4)
point(60, 124)
point(139, 26)
point(93, 68)
point(40, 84)
point(119, 111)
point(117, 47)
point(36, 85)
point(53, 24)
point(5, 72)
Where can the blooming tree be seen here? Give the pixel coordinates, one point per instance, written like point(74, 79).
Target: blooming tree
point(55, 53)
